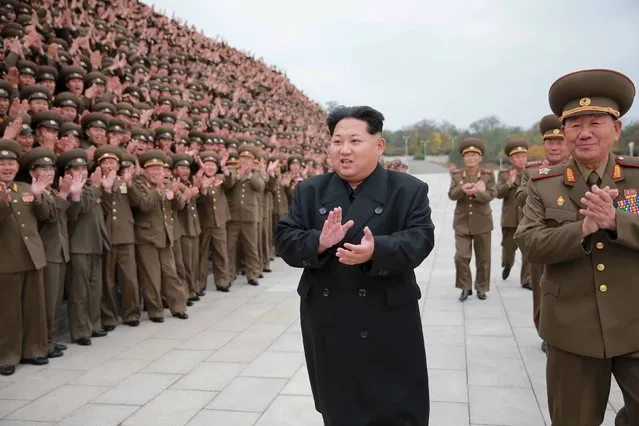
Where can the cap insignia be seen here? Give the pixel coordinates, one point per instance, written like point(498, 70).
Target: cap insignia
point(585, 101)
point(556, 131)
point(4, 152)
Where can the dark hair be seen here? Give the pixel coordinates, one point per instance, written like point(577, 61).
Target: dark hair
point(373, 118)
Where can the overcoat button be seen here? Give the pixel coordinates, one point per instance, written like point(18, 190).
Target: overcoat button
point(362, 292)
point(378, 210)
point(326, 292)
point(363, 334)
point(322, 210)
point(382, 272)
point(306, 262)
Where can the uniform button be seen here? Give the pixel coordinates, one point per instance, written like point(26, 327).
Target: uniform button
point(214, 208)
point(26, 238)
point(600, 245)
point(114, 203)
point(470, 205)
point(601, 267)
point(306, 262)
point(470, 213)
point(18, 213)
point(115, 211)
point(192, 208)
point(363, 334)
point(382, 272)
point(362, 292)
point(115, 218)
point(603, 288)
point(326, 292)
point(22, 225)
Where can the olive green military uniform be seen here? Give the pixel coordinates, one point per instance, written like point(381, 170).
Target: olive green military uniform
point(280, 204)
point(87, 241)
point(473, 221)
point(589, 315)
point(266, 228)
point(214, 213)
point(153, 214)
point(511, 212)
point(55, 239)
point(119, 261)
point(23, 324)
point(245, 215)
point(550, 128)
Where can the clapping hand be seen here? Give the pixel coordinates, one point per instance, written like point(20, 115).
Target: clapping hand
point(333, 231)
point(600, 212)
point(480, 185)
point(356, 254)
point(64, 186)
point(469, 189)
point(4, 193)
point(108, 181)
point(38, 187)
point(96, 177)
point(512, 175)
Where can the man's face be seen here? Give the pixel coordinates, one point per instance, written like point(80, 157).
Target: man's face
point(109, 165)
point(556, 150)
point(97, 136)
point(246, 162)
point(78, 171)
point(164, 145)
point(210, 168)
point(25, 140)
point(590, 137)
point(114, 139)
point(75, 86)
point(4, 106)
point(47, 137)
point(353, 151)
point(100, 89)
point(49, 84)
point(519, 160)
point(38, 105)
point(183, 172)
point(43, 174)
point(154, 174)
point(472, 159)
point(294, 168)
point(8, 170)
point(69, 112)
point(25, 80)
point(194, 146)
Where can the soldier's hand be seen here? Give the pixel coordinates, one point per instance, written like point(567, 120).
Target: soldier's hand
point(108, 181)
point(13, 129)
point(600, 207)
point(96, 177)
point(480, 185)
point(356, 254)
point(64, 186)
point(333, 230)
point(4, 193)
point(76, 187)
point(38, 187)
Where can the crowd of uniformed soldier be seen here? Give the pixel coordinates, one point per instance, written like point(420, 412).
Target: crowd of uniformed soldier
point(128, 173)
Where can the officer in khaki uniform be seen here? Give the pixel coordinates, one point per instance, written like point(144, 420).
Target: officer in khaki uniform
point(581, 222)
point(245, 215)
point(508, 182)
point(23, 323)
point(473, 188)
point(556, 153)
point(54, 233)
point(120, 259)
point(214, 213)
point(189, 223)
point(280, 197)
point(87, 241)
point(152, 203)
point(266, 228)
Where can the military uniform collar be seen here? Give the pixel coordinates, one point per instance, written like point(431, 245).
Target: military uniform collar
point(601, 170)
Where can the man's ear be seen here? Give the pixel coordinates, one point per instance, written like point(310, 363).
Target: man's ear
point(381, 146)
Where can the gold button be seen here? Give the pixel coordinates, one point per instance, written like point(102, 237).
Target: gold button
point(600, 245)
point(470, 205)
point(115, 211)
point(214, 208)
point(470, 213)
point(192, 208)
point(603, 288)
point(601, 267)
point(18, 213)
point(26, 238)
point(114, 203)
point(115, 218)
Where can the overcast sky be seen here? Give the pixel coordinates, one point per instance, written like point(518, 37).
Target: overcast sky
point(455, 60)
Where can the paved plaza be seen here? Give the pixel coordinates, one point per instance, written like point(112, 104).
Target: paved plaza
point(238, 360)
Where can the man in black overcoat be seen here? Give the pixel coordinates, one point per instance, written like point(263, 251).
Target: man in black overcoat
point(359, 232)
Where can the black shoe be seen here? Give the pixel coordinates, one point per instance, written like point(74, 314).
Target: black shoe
point(7, 370)
point(99, 333)
point(242, 272)
point(272, 258)
point(470, 292)
point(189, 302)
point(132, 323)
point(108, 328)
point(35, 361)
point(527, 286)
point(194, 298)
point(84, 341)
point(261, 276)
point(464, 295)
point(544, 346)
point(165, 305)
point(223, 289)
point(481, 295)
point(253, 282)
point(201, 293)
point(54, 353)
point(181, 315)
point(268, 270)
point(60, 347)
point(505, 272)
point(157, 319)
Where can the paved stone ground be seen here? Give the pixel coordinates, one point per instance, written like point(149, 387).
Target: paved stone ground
point(238, 360)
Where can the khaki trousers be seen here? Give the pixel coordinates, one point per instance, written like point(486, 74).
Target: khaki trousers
point(535, 280)
point(120, 262)
point(179, 268)
point(266, 242)
point(191, 260)
point(246, 232)
point(463, 253)
point(53, 293)
point(579, 386)
point(508, 249)
point(214, 239)
point(23, 322)
point(157, 276)
point(84, 276)
point(276, 219)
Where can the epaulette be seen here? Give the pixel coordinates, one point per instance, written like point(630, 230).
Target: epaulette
point(547, 172)
point(624, 161)
point(486, 171)
point(533, 164)
point(456, 171)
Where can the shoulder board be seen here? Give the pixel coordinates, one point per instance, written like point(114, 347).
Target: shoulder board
point(456, 171)
point(533, 164)
point(624, 161)
point(547, 172)
point(486, 172)
point(504, 171)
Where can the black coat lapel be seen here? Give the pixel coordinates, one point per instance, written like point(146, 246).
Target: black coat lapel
point(369, 202)
point(335, 195)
